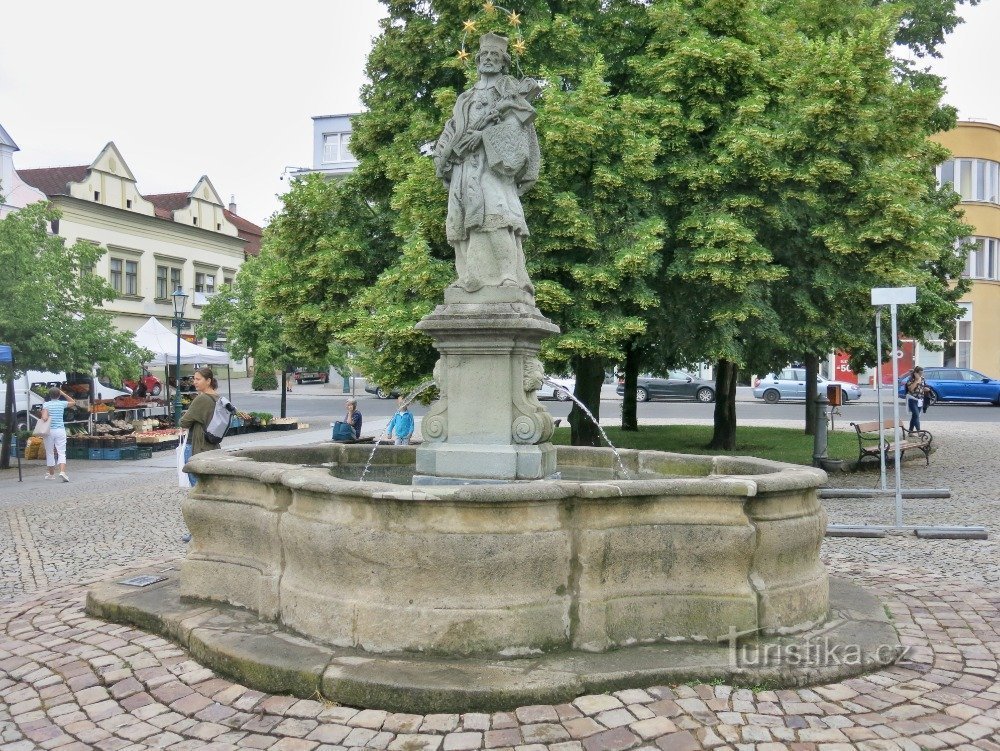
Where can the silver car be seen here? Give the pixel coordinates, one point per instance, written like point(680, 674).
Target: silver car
point(790, 383)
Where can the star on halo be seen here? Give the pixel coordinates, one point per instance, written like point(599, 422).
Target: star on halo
point(488, 6)
point(469, 25)
point(463, 55)
point(519, 47)
point(514, 19)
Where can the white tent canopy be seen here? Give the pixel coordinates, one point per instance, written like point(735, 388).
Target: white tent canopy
point(162, 342)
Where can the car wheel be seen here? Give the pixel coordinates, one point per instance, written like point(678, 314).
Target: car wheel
point(562, 395)
point(380, 393)
point(705, 395)
point(771, 396)
point(641, 395)
point(156, 390)
point(932, 397)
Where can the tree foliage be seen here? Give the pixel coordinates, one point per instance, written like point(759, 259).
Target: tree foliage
point(721, 182)
point(50, 302)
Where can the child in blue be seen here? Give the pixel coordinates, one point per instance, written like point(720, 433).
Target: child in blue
point(401, 424)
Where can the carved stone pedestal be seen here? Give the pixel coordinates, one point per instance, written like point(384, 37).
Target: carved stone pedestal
point(488, 422)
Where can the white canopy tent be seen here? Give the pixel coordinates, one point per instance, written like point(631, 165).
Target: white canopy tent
point(162, 342)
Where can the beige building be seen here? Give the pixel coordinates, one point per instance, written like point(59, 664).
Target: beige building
point(974, 171)
point(153, 242)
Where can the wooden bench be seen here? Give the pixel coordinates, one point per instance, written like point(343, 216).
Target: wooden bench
point(868, 438)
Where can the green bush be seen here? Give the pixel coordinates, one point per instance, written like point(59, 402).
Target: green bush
point(264, 380)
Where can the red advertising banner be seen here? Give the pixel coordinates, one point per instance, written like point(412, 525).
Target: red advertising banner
point(905, 356)
point(843, 370)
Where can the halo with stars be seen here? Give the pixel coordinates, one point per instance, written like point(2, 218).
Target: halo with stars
point(484, 21)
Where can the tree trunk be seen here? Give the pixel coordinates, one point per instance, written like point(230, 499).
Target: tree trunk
point(630, 419)
point(724, 432)
point(812, 370)
point(589, 379)
point(284, 390)
point(8, 427)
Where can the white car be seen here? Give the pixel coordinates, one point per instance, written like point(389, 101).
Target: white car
point(790, 383)
point(561, 391)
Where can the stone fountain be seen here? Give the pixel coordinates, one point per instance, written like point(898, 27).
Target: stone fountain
point(484, 568)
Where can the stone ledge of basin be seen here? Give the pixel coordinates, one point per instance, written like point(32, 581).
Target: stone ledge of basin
point(267, 657)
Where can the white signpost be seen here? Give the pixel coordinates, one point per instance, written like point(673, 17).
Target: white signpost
point(893, 297)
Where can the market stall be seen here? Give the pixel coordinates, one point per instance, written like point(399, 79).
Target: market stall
point(162, 342)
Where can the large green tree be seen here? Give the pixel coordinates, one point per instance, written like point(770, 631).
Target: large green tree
point(382, 261)
point(50, 304)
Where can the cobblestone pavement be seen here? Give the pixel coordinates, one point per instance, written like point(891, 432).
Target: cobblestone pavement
point(71, 682)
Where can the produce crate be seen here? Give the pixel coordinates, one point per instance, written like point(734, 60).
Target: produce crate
point(95, 454)
point(129, 452)
point(75, 452)
point(111, 454)
point(144, 452)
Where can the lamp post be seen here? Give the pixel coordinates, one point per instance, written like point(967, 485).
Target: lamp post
point(180, 300)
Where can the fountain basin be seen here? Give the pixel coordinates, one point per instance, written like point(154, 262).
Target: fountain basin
point(697, 548)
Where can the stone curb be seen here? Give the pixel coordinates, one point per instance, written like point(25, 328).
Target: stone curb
point(268, 658)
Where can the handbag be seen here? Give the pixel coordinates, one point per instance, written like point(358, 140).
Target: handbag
point(183, 481)
point(42, 427)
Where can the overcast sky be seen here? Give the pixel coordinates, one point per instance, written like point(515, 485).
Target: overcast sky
point(228, 88)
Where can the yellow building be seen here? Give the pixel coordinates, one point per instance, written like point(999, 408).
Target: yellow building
point(974, 171)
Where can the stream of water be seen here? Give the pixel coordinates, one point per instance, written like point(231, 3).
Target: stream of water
point(590, 416)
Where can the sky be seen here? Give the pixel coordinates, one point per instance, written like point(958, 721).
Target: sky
point(228, 88)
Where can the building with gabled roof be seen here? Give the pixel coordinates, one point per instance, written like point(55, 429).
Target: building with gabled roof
point(153, 242)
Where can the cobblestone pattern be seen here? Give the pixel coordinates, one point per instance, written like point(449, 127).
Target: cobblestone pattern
point(71, 682)
point(60, 533)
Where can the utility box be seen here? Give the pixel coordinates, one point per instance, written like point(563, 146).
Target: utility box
point(834, 394)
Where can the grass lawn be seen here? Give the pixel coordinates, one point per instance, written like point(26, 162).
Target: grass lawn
point(779, 444)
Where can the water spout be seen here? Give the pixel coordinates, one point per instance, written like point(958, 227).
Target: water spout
point(556, 388)
point(384, 434)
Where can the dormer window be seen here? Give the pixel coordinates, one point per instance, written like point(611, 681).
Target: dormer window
point(218, 226)
point(128, 203)
point(194, 221)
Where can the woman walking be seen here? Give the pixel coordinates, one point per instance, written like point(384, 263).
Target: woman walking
point(199, 415)
point(915, 388)
point(54, 411)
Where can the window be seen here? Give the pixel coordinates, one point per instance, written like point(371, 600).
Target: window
point(336, 147)
point(167, 279)
point(131, 277)
point(116, 274)
point(97, 195)
point(983, 261)
point(974, 179)
point(175, 280)
point(204, 282)
point(227, 280)
point(128, 203)
point(194, 221)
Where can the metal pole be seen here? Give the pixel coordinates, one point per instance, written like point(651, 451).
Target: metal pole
point(895, 418)
point(177, 376)
point(878, 392)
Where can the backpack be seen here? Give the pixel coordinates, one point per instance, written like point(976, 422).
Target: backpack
point(218, 426)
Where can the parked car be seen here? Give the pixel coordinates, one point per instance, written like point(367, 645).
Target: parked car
point(380, 392)
point(150, 381)
point(311, 375)
point(790, 383)
point(956, 385)
point(677, 385)
point(561, 391)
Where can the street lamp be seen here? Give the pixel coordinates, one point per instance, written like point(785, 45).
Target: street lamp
point(180, 300)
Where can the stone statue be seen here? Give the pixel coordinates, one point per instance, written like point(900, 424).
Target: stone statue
point(488, 156)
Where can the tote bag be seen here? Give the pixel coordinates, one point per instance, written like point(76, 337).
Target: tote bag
point(183, 481)
point(42, 427)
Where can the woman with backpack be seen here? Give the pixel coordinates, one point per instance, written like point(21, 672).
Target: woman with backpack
point(915, 394)
point(199, 414)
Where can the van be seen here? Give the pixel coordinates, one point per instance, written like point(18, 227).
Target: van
point(31, 388)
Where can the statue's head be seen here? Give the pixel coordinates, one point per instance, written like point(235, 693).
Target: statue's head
point(492, 56)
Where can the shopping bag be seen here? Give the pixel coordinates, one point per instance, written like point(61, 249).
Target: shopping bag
point(42, 427)
point(183, 481)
